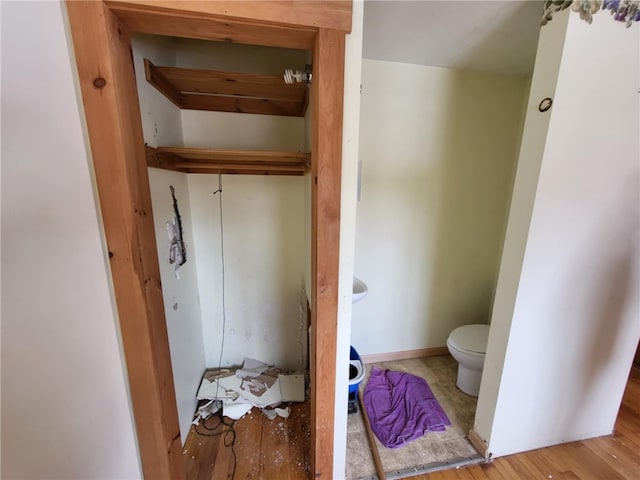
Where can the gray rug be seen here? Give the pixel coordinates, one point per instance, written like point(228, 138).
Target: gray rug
point(435, 447)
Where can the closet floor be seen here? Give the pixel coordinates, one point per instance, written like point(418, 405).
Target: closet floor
point(263, 448)
point(435, 447)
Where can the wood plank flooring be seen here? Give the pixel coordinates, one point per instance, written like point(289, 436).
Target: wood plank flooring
point(279, 450)
point(614, 457)
point(264, 449)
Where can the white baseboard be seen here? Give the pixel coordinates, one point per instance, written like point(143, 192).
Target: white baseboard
point(405, 355)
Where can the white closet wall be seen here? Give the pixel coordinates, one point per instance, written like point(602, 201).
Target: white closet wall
point(162, 125)
point(161, 120)
point(263, 221)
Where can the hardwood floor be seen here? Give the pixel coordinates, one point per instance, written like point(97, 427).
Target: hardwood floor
point(278, 450)
point(264, 449)
point(612, 457)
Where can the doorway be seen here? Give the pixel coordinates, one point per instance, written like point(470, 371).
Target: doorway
point(101, 35)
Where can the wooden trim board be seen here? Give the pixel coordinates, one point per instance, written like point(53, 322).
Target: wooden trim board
point(248, 162)
point(215, 82)
point(371, 438)
point(101, 38)
point(250, 157)
point(326, 167)
point(231, 104)
point(107, 81)
point(405, 355)
point(334, 14)
point(175, 23)
point(479, 444)
point(209, 90)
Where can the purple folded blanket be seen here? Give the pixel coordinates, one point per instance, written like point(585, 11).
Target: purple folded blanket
point(401, 407)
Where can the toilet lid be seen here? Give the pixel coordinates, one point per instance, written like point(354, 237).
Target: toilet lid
point(471, 337)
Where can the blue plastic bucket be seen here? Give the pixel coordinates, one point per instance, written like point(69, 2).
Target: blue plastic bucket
point(356, 370)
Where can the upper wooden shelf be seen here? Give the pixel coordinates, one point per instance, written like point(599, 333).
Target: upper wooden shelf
point(202, 160)
point(194, 89)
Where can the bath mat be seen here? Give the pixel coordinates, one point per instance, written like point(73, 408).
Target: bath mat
point(401, 407)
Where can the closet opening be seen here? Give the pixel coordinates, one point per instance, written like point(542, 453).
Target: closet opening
point(227, 139)
point(103, 34)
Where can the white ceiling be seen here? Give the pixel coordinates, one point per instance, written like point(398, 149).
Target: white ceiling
point(494, 36)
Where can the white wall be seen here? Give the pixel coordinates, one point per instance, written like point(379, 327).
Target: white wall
point(351, 125)
point(162, 125)
point(574, 328)
point(181, 302)
point(65, 405)
point(543, 84)
point(263, 254)
point(161, 119)
point(438, 149)
point(235, 57)
point(263, 223)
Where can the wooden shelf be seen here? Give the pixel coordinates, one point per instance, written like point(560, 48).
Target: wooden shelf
point(246, 162)
point(194, 89)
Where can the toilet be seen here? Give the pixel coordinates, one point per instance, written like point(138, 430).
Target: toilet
point(468, 345)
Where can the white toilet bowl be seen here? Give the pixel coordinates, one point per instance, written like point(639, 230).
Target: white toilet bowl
point(468, 345)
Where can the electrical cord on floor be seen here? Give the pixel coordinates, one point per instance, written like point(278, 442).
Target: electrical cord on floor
point(223, 428)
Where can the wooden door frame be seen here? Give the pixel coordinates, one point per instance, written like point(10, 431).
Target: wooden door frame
point(101, 32)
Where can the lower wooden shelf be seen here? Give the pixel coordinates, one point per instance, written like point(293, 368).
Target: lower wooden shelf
point(242, 162)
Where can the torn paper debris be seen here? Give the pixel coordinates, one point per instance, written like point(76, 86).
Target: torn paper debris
point(215, 374)
point(283, 412)
point(269, 413)
point(263, 390)
point(252, 368)
point(206, 410)
point(231, 383)
point(235, 411)
point(271, 396)
point(215, 391)
point(256, 384)
point(253, 364)
point(292, 387)
point(260, 384)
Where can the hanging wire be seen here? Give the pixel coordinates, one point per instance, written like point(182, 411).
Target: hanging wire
point(221, 427)
point(224, 308)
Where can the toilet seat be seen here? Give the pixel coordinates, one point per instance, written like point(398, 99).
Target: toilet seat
point(462, 351)
point(470, 339)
